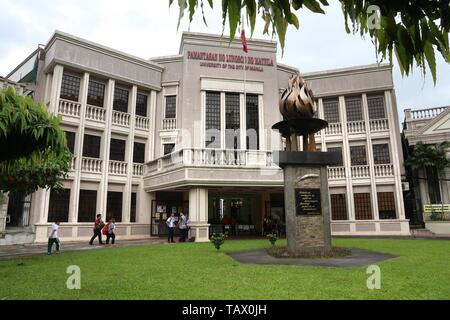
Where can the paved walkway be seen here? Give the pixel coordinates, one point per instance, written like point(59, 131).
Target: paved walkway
point(24, 250)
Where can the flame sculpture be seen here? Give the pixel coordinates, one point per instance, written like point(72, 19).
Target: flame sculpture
point(297, 102)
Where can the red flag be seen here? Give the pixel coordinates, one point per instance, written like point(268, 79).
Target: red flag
point(244, 41)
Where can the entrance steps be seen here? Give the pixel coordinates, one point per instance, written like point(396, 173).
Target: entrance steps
point(16, 236)
point(422, 233)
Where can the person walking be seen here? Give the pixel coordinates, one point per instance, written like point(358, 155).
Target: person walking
point(98, 226)
point(110, 233)
point(53, 238)
point(170, 225)
point(182, 226)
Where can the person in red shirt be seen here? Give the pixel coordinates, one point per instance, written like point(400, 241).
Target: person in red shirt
point(233, 225)
point(98, 226)
point(224, 223)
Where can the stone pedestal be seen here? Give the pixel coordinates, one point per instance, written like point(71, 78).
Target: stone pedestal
point(307, 204)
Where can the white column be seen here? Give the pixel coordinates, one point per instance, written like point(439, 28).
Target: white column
point(371, 162)
point(144, 205)
point(395, 142)
point(222, 121)
point(78, 152)
point(102, 195)
point(126, 203)
point(346, 158)
point(243, 120)
point(151, 139)
point(262, 136)
point(201, 143)
point(55, 91)
point(198, 214)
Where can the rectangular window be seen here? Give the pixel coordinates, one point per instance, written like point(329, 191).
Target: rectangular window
point(70, 87)
point(171, 107)
point(331, 111)
point(70, 137)
point(363, 208)
point(91, 146)
point(96, 93)
point(120, 100)
point(139, 152)
point(117, 150)
point(338, 207)
point(213, 119)
point(114, 206)
point(381, 154)
point(386, 205)
point(354, 109)
point(376, 107)
point(58, 208)
point(141, 105)
point(133, 208)
point(358, 155)
point(252, 122)
point(87, 206)
point(232, 120)
point(168, 148)
point(337, 149)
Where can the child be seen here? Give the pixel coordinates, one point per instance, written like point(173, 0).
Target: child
point(53, 238)
point(110, 234)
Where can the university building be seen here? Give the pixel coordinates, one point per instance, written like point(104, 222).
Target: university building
point(192, 133)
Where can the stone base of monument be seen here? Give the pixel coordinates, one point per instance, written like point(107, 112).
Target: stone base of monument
point(307, 204)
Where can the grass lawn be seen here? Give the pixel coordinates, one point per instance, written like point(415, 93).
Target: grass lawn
point(197, 271)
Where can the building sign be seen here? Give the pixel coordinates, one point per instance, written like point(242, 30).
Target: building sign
point(230, 61)
point(429, 208)
point(308, 202)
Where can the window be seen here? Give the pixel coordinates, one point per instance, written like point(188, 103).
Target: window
point(376, 107)
point(114, 206)
point(120, 100)
point(381, 154)
point(232, 120)
point(91, 146)
point(363, 208)
point(70, 137)
point(139, 152)
point(96, 93)
point(358, 156)
point(117, 150)
point(252, 122)
point(87, 206)
point(171, 107)
point(133, 208)
point(141, 105)
point(354, 109)
point(331, 110)
point(168, 148)
point(337, 149)
point(58, 208)
point(338, 207)
point(70, 87)
point(212, 125)
point(386, 205)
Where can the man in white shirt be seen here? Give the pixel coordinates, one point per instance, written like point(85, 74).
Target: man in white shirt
point(170, 225)
point(182, 225)
point(53, 238)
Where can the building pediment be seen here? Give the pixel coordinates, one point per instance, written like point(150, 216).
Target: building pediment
point(438, 125)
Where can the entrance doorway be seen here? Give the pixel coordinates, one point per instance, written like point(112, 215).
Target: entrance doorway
point(18, 214)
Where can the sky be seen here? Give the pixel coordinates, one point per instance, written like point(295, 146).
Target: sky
point(148, 28)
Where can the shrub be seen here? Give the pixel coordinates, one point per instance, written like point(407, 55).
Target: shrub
point(272, 238)
point(218, 240)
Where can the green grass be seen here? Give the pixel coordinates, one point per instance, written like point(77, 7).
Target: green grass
point(197, 271)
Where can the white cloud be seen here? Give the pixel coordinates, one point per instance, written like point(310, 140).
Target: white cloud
point(148, 28)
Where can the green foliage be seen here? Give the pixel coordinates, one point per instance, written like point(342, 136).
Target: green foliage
point(34, 149)
point(412, 31)
point(429, 156)
point(272, 238)
point(218, 239)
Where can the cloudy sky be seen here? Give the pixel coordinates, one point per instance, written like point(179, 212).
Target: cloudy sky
point(148, 28)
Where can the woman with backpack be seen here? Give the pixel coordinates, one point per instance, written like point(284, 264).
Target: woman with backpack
point(109, 231)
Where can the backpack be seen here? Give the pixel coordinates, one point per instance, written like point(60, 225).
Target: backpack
point(105, 229)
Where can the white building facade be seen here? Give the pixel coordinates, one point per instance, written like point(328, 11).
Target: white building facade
point(191, 133)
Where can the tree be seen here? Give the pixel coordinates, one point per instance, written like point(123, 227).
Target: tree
point(413, 30)
point(34, 151)
point(433, 160)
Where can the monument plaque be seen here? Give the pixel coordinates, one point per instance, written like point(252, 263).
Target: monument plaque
point(308, 202)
